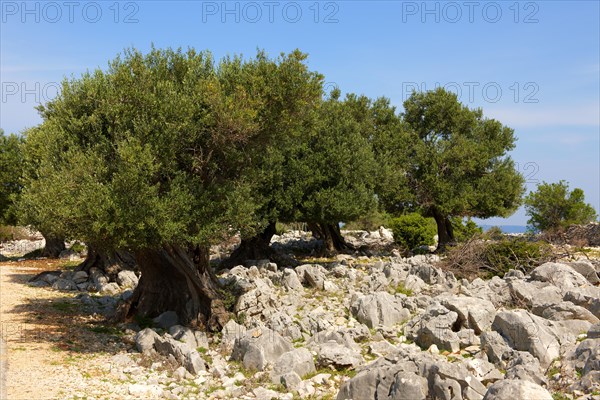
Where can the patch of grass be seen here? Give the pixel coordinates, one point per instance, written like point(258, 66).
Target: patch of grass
point(560, 396)
point(69, 265)
point(241, 318)
point(202, 350)
point(400, 289)
point(350, 373)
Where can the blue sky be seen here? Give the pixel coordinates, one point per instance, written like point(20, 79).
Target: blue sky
point(535, 66)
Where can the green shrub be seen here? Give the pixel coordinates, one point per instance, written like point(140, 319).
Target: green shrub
point(413, 230)
point(479, 258)
point(78, 247)
point(494, 233)
point(464, 231)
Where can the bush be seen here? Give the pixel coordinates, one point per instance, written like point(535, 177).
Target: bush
point(552, 207)
point(413, 230)
point(494, 233)
point(464, 231)
point(480, 258)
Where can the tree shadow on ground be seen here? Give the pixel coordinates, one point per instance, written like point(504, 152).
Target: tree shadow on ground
point(64, 321)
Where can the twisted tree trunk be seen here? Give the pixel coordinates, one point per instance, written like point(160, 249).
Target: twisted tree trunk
point(255, 248)
point(109, 262)
point(54, 246)
point(173, 279)
point(331, 237)
point(444, 229)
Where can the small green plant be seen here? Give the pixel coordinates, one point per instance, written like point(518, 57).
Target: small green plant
point(241, 318)
point(202, 350)
point(413, 230)
point(400, 289)
point(78, 247)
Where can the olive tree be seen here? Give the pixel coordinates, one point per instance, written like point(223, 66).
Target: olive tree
point(155, 156)
point(456, 162)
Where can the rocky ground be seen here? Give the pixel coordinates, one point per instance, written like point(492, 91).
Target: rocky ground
point(349, 327)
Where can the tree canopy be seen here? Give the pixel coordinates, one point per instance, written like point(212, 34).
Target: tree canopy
point(552, 206)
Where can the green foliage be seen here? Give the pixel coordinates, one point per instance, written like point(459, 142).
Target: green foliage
point(457, 163)
point(400, 289)
point(413, 230)
point(11, 167)
point(464, 230)
point(552, 206)
point(160, 148)
point(494, 233)
point(78, 247)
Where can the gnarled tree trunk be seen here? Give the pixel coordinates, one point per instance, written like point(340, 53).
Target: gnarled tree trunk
point(330, 235)
point(444, 229)
point(54, 246)
point(109, 262)
point(255, 248)
point(175, 279)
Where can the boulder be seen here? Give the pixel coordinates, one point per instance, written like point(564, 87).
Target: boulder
point(527, 332)
point(412, 374)
point(378, 309)
point(299, 361)
point(290, 280)
point(524, 366)
point(560, 275)
point(145, 339)
point(110, 289)
point(64, 284)
point(80, 277)
point(434, 326)
point(565, 310)
point(594, 332)
point(312, 274)
point(476, 314)
point(495, 347)
point(332, 354)
point(586, 269)
point(166, 320)
point(184, 335)
point(259, 347)
point(230, 332)
point(516, 389)
point(127, 279)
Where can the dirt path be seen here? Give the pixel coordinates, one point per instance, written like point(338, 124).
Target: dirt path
point(32, 368)
point(43, 335)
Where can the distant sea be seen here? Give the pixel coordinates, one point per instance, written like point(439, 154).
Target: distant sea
point(507, 228)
